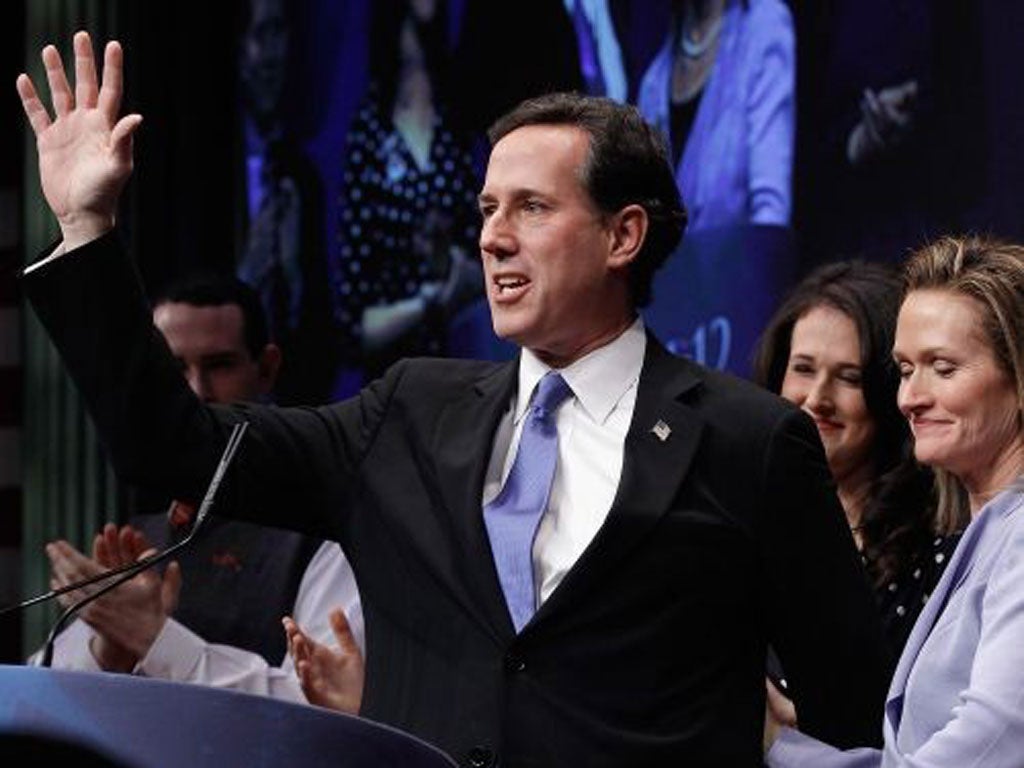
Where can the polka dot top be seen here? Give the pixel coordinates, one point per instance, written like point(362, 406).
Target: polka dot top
point(398, 223)
point(901, 599)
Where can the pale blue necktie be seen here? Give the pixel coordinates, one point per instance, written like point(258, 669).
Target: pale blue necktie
point(512, 517)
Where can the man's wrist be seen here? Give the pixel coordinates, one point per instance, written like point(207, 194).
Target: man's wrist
point(110, 656)
point(81, 229)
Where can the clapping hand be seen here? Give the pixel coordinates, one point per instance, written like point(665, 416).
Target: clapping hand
point(329, 677)
point(128, 619)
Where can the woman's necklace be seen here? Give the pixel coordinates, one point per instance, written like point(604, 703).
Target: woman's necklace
point(694, 48)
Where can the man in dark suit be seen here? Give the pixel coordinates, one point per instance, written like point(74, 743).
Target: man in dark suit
point(686, 518)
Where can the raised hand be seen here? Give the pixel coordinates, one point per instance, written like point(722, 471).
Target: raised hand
point(329, 677)
point(85, 151)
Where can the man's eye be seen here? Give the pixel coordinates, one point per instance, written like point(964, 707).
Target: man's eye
point(219, 364)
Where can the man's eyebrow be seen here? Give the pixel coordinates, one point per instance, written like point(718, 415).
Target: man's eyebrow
point(517, 194)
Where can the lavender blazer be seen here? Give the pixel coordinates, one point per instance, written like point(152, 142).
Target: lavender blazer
point(957, 697)
point(737, 165)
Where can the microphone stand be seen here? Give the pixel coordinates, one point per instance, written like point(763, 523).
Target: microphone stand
point(130, 570)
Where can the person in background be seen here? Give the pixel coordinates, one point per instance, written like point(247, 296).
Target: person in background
point(406, 261)
point(721, 90)
point(284, 256)
point(828, 350)
point(213, 617)
point(955, 698)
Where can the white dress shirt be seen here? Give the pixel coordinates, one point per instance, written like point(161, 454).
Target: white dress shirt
point(592, 428)
point(180, 655)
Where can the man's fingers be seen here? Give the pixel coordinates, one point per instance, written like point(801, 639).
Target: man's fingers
point(121, 137)
point(113, 80)
point(67, 564)
point(85, 71)
point(300, 648)
point(100, 551)
point(60, 91)
point(342, 631)
point(112, 545)
point(36, 113)
point(126, 544)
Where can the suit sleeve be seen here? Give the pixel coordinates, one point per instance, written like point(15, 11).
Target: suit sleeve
point(821, 613)
point(294, 465)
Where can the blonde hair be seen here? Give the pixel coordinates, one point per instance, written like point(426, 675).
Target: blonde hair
point(991, 272)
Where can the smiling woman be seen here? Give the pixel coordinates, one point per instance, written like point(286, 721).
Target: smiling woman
point(960, 356)
point(955, 697)
point(828, 350)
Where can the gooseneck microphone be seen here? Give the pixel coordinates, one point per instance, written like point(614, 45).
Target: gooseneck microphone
point(130, 570)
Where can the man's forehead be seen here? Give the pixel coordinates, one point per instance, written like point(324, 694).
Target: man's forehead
point(543, 137)
point(217, 325)
point(535, 157)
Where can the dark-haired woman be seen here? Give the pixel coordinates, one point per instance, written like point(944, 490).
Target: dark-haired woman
point(406, 259)
point(828, 349)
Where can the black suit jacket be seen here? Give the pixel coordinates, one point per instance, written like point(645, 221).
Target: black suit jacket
point(722, 537)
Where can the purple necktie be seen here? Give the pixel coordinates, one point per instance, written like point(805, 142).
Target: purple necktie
point(512, 517)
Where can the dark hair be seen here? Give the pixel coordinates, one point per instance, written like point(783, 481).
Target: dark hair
point(991, 272)
point(899, 514)
point(386, 20)
point(627, 164)
point(208, 289)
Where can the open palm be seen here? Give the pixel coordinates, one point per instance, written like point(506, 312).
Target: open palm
point(85, 152)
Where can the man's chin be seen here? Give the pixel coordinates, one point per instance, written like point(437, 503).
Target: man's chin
point(506, 329)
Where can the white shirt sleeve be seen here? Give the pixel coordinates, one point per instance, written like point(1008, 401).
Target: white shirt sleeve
point(57, 253)
point(180, 655)
point(71, 649)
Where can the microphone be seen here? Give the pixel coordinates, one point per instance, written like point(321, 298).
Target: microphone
point(130, 570)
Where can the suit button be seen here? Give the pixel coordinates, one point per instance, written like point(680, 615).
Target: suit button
point(514, 663)
point(481, 757)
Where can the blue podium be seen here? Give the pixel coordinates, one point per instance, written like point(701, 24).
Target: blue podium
point(145, 723)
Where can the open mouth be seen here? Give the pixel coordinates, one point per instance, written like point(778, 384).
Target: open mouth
point(509, 286)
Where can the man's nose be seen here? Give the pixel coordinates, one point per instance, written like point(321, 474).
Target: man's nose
point(198, 383)
point(497, 237)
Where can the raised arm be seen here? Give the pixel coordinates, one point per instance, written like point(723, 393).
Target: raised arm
point(85, 151)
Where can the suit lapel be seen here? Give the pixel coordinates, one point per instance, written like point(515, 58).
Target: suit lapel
point(463, 442)
point(959, 566)
point(659, 447)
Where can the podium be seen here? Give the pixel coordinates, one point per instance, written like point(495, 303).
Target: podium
point(145, 723)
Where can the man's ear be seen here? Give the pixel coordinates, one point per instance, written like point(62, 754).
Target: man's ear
point(269, 364)
point(626, 231)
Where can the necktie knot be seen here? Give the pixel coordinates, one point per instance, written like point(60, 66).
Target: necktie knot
point(552, 391)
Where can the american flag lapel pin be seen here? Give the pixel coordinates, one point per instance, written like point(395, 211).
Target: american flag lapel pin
point(661, 430)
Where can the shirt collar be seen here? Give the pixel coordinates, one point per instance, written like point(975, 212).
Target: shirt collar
point(598, 380)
